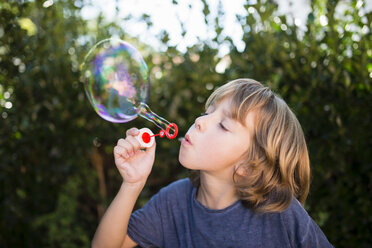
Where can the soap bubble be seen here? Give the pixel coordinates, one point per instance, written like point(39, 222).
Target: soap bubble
point(116, 80)
point(117, 84)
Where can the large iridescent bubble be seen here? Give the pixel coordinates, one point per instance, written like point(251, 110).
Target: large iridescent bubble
point(116, 80)
point(117, 84)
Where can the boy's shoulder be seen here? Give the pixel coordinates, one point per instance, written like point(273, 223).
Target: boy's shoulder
point(301, 228)
point(293, 217)
point(181, 186)
point(180, 183)
point(295, 212)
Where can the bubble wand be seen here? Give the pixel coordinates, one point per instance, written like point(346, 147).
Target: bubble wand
point(116, 82)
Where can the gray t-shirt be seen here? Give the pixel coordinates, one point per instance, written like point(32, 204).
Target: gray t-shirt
point(175, 218)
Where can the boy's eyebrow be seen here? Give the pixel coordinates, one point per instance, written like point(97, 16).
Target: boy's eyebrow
point(227, 113)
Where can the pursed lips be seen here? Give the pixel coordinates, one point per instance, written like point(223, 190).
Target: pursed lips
point(188, 139)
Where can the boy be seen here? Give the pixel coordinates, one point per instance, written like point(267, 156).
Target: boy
point(252, 175)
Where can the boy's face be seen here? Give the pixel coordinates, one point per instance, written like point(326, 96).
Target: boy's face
point(217, 142)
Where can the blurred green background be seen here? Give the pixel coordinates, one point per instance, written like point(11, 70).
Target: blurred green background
point(57, 173)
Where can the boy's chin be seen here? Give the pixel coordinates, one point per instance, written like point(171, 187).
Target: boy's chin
point(184, 163)
point(181, 161)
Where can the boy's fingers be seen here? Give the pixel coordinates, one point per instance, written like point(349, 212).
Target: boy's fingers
point(135, 145)
point(121, 142)
point(119, 159)
point(120, 151)
point(127, 146)
point(133, 131)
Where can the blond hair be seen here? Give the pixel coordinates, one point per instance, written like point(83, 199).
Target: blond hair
point(276, 163)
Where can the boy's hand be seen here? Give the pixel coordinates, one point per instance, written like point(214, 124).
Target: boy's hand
point(133, 164)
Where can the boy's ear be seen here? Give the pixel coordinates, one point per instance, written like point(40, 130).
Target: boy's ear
point(240, 170)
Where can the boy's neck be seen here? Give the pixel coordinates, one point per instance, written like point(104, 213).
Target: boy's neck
point(214, 192)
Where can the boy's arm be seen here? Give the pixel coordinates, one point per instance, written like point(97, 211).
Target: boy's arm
point(134, 166)
point(112, 230)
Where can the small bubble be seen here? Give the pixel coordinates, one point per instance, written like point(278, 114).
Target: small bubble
point(194, 57)
point(209, 86)
point(71, 51)
point(323, 20)
point(365, 29)
point(48, 3)
point(96, 142)
point(6, 95)
point(178, 60)
point(17, 61)
point(158, 74)
point(359, 4)
point(81, 97)
point(355, 37)
point(8, 105)
point(283, 27)
point(200, 99)
point(156, 60)
point(22, 68)
point(298, 22)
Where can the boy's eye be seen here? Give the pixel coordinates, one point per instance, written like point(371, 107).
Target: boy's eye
point(223, 127)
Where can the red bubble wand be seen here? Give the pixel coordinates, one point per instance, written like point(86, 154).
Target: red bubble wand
point(146, 136)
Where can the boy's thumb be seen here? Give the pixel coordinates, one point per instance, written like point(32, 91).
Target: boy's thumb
point(152, 148)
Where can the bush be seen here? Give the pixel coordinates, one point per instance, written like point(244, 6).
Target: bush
point(57, 171)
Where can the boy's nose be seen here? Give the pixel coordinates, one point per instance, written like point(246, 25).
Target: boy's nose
point(199, 123)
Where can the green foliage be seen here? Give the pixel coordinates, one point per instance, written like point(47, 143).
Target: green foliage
point(57, 171)
point(323, 75)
